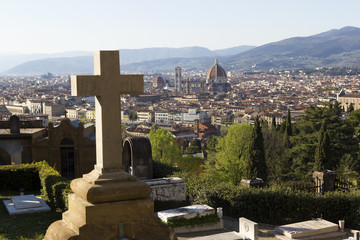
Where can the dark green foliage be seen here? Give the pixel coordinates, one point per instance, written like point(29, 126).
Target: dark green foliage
point(14, 177)
point(133, 115)
point(348, 168)
point(322, 150)
point(279, 205)
point(255, 163)
point(58, 191)
point(288, 126)
point(196, 145)
point(48, 177)
point(210, 150)
point(185, 145)
point(161, 170)
point(341, 139)
point(351, 108)
point(33, 177)
point(211, 218)
point(273, 123)
point(275, 155)
point(190, 164)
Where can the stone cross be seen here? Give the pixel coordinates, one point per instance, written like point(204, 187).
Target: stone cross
point(107, 85)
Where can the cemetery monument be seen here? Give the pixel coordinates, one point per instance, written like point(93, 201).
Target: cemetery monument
point(108, 203)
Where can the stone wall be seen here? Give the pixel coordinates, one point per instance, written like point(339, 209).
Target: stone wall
point(167, 189)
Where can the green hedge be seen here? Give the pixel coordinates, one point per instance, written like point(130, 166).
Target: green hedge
point(275, 205)
point(14, 177)
point(279, 206)
point(35, 177)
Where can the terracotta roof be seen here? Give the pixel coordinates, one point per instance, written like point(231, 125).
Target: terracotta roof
point(159, 80)
point(216, 71)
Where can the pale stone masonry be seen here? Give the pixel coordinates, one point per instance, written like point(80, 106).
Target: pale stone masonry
point(108, 200)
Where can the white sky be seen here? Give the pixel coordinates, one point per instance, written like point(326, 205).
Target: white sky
point(39, 26)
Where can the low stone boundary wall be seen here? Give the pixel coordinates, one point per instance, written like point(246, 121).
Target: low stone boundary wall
point(167, 189)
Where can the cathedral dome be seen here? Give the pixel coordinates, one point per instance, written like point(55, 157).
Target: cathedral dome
point(216, 72)
point(158, 82)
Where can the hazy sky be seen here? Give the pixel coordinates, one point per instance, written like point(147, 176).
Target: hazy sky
point(67, 25)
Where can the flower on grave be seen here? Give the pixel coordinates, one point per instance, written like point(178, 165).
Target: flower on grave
point(21, 189)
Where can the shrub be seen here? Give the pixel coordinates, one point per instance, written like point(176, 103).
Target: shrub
point(276, 205)
point(33, 177)
point(59, 189)
point(14, 177)
point(48, 177)
point(161, 170)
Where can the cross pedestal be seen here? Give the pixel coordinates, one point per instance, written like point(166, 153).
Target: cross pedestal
point(108, 195)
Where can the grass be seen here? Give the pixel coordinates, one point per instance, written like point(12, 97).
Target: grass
point(30, 226)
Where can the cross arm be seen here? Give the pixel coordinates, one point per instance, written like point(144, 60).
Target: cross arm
point(131, 84)
point(85, 85)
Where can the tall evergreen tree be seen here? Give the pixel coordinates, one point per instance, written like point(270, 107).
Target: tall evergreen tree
point(288, 127)
point(350, 108)
point(256, 163)
point(273, 123)
point(322, 149)
point(337, 108)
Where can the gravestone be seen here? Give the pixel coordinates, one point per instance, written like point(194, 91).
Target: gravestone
point(25, 204)
point(108, 197)
point(14, 124)
point(248, 229)
point(187, 212)
point(137, 157)
point(312, 229)
point(190, 212)
point(252, 183)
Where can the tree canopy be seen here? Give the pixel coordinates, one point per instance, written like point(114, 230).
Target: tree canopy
point(164, 146)
point(232, 150)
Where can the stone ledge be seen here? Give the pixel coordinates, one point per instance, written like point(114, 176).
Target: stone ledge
point(10, 207)
point(200, 227)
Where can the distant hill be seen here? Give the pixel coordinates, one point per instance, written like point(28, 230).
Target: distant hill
point(10, 60)
point(232, 51)
point(332, 48)
point(127, 56)
point(73, 65)
point(337, 47)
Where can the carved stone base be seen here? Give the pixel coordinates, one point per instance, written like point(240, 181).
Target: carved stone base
point(100, 202)
point(84, 220)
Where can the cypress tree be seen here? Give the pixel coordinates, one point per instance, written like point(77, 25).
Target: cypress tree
point(273, 123)
point(288, 127)
point(337, 108)
point(322, 149)
point(256, 164)
point(351, 108)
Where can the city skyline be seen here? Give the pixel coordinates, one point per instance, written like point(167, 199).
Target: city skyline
point(51, 26)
